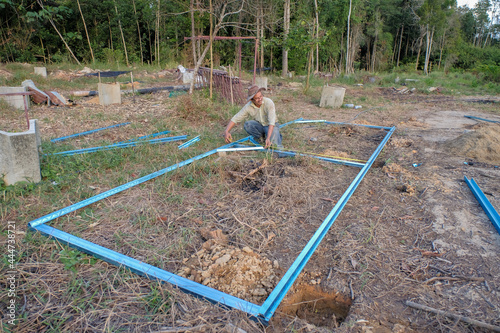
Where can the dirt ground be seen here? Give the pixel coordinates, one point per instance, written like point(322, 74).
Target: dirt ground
point(412, 231)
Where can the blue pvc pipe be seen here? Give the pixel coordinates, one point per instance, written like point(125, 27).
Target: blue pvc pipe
point(103, 195)
point(271, 303)
point(189, 143)
point(149, 271)
point(484, 202)
point(86, 132)
point(154, 135)
point(119, 145)
point(488, 120)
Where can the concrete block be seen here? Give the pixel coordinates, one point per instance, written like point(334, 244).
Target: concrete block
point(109, 93)
point(332, 97)
point(42, 71)
point(19, 158)
point(15, 101)
point(261, 82)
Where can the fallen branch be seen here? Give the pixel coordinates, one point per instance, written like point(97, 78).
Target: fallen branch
point(455, 278)
point(478, 323)
point(262, 166)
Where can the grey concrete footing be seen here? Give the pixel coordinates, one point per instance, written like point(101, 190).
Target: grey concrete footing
point(109, 93)
point(42, 71)
point(261, 82)
point(19, 158)
point(15, 101)
point(332, 97)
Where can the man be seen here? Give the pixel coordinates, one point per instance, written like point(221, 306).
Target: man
point(263, 124)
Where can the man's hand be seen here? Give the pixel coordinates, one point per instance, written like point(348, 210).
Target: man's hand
point(227, 136)
point(268, 143)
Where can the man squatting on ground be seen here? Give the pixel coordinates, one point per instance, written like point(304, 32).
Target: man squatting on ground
point(263, 125)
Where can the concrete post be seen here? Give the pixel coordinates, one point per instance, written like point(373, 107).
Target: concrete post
point(332, 96)
point(42, 71)
point(19, 159)
point(109, 93)
point(261, 82)
point(15, 101)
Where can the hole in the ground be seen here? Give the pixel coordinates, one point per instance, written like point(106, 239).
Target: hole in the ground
point(316, 306)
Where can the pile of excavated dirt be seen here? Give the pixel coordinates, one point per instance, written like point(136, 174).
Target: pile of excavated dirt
point(482, 144)
point(238, 272)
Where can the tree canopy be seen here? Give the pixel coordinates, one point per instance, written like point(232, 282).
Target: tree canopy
point(378, 35)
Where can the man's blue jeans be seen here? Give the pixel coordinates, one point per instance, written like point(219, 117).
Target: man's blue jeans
point(259, 132)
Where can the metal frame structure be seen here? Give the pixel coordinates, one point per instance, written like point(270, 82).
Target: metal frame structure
point(239, 49)
point(262, 312)
point(26, 93)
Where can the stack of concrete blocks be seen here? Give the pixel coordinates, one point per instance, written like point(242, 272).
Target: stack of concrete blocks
point(15, 101)
point(261, 82)
point(19, 158)
point(109, 93)
point(332, 97)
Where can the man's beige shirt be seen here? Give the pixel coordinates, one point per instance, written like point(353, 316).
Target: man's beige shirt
point(266, 114)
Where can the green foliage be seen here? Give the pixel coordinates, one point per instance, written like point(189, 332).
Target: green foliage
point(491, 72)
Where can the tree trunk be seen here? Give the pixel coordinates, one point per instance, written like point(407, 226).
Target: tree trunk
point(374, 53)
point(317, 35)
point(428, 49)
point(418, 54)
point(60, 36)
point(441, 51)
point(86, 32)
point(347, 55)
point(400, 42)
point(261, 37)
point(139, 32)
point(121, 32)
point(193, 34)
point(286, 30)
point(157, 34)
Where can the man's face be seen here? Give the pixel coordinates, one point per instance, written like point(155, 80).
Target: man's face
point(257, 99)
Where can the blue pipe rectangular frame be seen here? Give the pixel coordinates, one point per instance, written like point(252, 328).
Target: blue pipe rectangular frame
point(86, 132)
point(484, 202)
point(263, 312)
point(119, 145)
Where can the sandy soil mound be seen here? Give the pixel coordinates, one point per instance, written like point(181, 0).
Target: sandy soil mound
point(238, 272)
point(483, 144)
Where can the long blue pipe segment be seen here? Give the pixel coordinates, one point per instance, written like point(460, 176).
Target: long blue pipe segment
point(103, 195)
point(272, 302)
point(154, 135)
point(119, 145)
point(86, 132)
point(151, 272)
point(484, 202)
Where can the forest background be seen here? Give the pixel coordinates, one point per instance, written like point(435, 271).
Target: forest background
point(338, 36)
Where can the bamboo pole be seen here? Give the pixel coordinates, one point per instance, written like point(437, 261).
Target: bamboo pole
point(86, 31)
point(121, 32)
point(139, 32)
point(60, 36)
point(211, 53)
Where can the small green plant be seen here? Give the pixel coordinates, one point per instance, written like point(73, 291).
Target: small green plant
point(70, 258)
point(158, 301)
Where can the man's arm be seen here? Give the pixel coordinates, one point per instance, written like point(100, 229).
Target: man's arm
point(227, 134)
point(268, 137)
